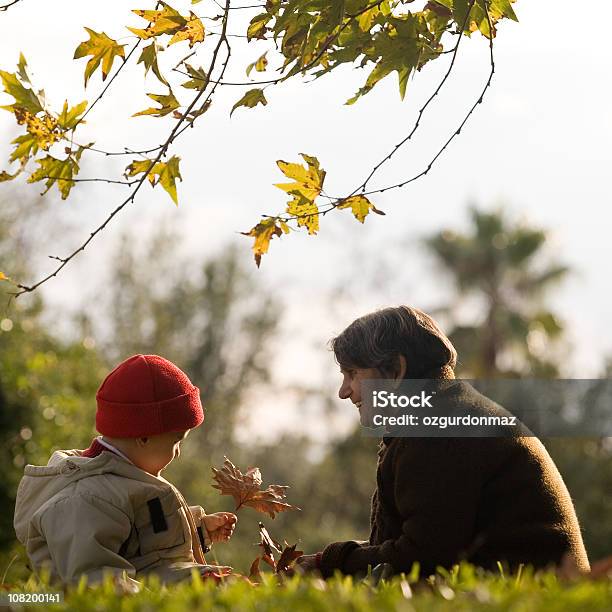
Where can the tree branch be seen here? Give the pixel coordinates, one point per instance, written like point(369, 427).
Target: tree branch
point(163, 149)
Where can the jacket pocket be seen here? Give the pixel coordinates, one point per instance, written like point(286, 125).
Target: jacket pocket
point(160, 524)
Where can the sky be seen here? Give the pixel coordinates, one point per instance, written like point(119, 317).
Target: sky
point(539, 145)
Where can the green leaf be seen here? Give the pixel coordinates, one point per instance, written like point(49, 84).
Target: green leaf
point(167, 103)
point(27, 145)
point(148, 57)
point(24, 96)
point(69, 118)
point(22, 69)
point(250, 99)
point(53, 170)
point(102, 49)
point(198, 77)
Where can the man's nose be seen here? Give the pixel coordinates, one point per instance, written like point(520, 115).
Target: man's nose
point(345, 391)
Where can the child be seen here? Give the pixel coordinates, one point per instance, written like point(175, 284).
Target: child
point(442, 500)
point(106, 508)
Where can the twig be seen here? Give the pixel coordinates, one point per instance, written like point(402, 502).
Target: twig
point(64, 261)
point(5, 7)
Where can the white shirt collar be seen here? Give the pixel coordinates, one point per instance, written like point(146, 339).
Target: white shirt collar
point(112, 448)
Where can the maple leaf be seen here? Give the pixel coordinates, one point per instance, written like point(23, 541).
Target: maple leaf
point(5, 176)
point(198, 77)
point(308, 181)
point(263, 232)
point(148, 57)
point(165, 21)
point(245, 489)
point(60, 171)
point(193, 31)
point(167, 103)
point(44, 130)
point(69, 118)
point(306, 213)
point(102, 49)
point(251, 98)
point(164, 173)
point(360, 206)
point(25, 97)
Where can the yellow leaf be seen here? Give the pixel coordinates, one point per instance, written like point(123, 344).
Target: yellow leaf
point(263, 232)
point(360, 205)
point(167, 102)
point(5, 176)
point(257, 26)
point(193, 31)
point(45, 130)
point(166, 21)
point(259, 64)
point(306, 213)
point(4, 277)
point(308, 181)
point(102, 49)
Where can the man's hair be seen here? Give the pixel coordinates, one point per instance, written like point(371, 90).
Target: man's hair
point(376, 340)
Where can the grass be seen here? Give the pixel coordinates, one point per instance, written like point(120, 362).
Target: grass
point(463, 588)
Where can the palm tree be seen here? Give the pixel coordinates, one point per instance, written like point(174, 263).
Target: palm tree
point(500, 262)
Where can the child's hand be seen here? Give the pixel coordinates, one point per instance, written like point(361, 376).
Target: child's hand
point(215, 572)
point(220, 525)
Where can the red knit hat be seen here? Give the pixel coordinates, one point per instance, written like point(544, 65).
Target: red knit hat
point(147, 395)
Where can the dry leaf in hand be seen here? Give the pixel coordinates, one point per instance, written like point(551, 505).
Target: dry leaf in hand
point(245, 489)
point(254, 573)
point(287, 558)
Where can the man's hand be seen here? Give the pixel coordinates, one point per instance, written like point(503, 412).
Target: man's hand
point(220, 525)
point(306, 563)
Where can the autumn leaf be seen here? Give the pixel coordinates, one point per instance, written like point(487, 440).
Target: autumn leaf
point(287, 558)
point(306, 213)
point(198, 77)
point(263, 232)
point(193, 31)
point(257, 26)
point(167, 103)
point(44, 130)
point(251, 98)
point(245, 489)
point(60, 171)
point(360, 206)
point(148, 57)
point(308, 181)
point(5, 176)
point(102, 49)
point(69, 118)
point(165, 21)
point(25, 97)
point(269, 546)
point(254, 573)
point(164, 173)
point(259, 64)
point(4, 277)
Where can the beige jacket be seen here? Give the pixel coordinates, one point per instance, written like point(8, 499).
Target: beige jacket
point(80, 515)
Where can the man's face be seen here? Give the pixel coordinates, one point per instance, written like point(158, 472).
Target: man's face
point(154, 453)
point(351, 389)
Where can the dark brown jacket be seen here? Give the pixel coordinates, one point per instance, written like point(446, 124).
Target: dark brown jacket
point(442, 500)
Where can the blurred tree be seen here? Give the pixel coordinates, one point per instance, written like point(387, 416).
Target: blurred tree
point(501, 263)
